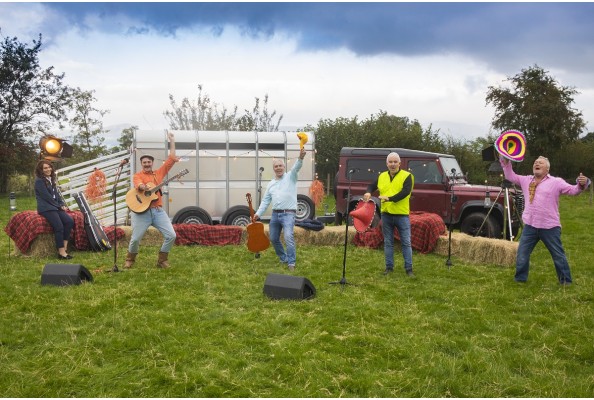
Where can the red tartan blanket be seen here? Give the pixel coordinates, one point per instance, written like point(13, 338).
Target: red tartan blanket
point(425, 231)
point(207, 235)
point(25, 226)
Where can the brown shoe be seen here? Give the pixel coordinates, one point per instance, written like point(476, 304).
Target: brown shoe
point(130, 259)
point(162, 261)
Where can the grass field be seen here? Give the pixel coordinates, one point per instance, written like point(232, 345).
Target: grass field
point(204, 328)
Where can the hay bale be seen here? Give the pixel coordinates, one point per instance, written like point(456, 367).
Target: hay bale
point(479, 249)
point(152, 237)
point(43, 245)
point(472, 249)
point(329, 236)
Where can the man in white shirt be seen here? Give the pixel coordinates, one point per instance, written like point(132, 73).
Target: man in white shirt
point(282, 194)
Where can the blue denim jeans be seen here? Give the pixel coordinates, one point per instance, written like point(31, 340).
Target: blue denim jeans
point(286, 222)
point(552, 240)
point(156, 217)
point(402, 223)
point(61, 223)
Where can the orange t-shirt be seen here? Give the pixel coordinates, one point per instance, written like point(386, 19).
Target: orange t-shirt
point(154, 178)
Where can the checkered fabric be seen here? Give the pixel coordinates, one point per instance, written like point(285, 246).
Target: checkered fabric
point(207, 235)
point(425, 231)
point(25, 226)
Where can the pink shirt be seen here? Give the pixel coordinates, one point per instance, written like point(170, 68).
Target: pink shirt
point(543, 212)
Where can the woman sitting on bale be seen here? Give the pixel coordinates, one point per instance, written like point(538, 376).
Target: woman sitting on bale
point(51, 206)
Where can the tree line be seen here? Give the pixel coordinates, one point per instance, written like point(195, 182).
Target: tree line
point(35, 100)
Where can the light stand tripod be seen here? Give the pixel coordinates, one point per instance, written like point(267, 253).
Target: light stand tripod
point(453, 200)
point(343, 280)
point(507, 221)
point(115, 216)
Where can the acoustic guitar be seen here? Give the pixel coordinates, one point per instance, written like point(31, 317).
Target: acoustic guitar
point(257, 239)
point(139, 201)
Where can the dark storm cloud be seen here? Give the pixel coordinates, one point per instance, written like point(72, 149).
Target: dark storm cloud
point(504, 35)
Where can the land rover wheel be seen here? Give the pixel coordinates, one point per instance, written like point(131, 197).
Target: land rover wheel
point(192, 215)
point(305, 208)
point(472, 223)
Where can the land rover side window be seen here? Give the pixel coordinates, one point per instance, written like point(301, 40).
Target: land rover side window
point(365, 170)
point(425, 171)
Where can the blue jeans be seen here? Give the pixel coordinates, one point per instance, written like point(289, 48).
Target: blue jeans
point(402, 223)
point(286, 222)
point(552, 240)
point(61, 223)
point(156, 217)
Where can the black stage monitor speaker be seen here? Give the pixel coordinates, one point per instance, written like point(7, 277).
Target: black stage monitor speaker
point(65, 274)
point(279, 286)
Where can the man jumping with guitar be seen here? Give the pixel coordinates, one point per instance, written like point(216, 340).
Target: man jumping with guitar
point(144, 217)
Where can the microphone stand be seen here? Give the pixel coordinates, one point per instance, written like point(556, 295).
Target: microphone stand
point(453, 200)
point(115, 217)
point(343, 280)
point(257, 254)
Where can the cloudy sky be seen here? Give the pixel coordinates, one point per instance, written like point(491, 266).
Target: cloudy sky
point(432, 62)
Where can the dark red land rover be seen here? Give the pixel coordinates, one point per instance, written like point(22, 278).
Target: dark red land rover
point(440, 187)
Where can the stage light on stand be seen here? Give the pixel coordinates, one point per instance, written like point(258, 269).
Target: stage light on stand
point(54, 149)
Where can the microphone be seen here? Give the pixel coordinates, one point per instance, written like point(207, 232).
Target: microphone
point(454, 171)
point(261, 169)
point(124, 162)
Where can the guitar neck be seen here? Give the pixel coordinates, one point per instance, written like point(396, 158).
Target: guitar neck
point(249, 200)
point(165, 182)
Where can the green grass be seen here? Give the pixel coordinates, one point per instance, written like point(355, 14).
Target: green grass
point(204, 329)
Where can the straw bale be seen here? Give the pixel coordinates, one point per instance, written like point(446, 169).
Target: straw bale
point(329, 236)
point(479, 250)
point(43, 245)
point(472, 249)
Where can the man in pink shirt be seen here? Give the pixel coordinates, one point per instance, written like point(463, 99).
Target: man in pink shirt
point(541, 215)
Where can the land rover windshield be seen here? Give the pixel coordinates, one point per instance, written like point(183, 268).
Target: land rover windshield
point(451, 167)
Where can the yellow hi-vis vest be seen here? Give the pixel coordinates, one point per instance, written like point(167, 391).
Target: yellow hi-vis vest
point(387, 188)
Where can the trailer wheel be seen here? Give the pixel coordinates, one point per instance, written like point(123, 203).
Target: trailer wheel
point(192, 215)
point(238, 216)
point(305, 208)
point(473, 222)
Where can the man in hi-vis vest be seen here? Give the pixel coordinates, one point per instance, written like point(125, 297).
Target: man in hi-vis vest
point(395, 186)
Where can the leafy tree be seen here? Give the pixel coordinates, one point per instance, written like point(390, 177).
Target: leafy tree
point(381, 130)
point(32, 100)
point(588, 138)
point(259, 120)
point(204, 114)
point(126, 138)
point(86, 123)
point(576, 157)
point(540, 108)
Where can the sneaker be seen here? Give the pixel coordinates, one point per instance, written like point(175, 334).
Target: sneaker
point(291, 267)
point(388, 271)
point(410, 273)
